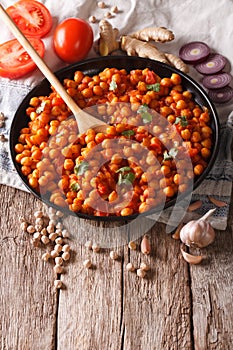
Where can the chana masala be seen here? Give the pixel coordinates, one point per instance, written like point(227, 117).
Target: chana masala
point(158, 140)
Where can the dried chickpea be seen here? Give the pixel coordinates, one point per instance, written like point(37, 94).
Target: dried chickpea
point(87, 264)
point(114, 255)
point(65, 256)
point(144, 266)
point(66, 248)
point(130, 267)
point(58, 284)
point(46, 256)
point(141, 273)
point(58, 269)
point(132, 245)
point(58, 260)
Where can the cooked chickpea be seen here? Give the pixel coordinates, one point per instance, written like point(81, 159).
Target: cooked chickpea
point(175, 79)
point(169, 191)
point(181, 104)
point(186, 134)
point(166, 82)
point(205, 152)
point(126, 211)
point(198, 169)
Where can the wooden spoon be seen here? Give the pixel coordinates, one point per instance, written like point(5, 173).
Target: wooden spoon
point(84, 120)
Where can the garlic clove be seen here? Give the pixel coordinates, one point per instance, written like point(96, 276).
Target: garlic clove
point(217, 202)
point(206, 215)
point(195, 205)
point(176, 234)
point(145, 245)
point(192, 259)
point(198, 233)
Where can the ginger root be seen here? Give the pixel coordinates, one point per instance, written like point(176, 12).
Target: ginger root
point(137, 44)
point(177, 62)
point(159, 34)
point(135, 47)
point(108, 38)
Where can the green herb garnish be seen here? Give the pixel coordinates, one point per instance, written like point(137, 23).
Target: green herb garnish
point(80, 168)
point(113, 86)
point(40, 109)
point(123, 169)
point(126, 176)
point(126, 179)
point(154, 87)
point(144, 111)
point(128, 133)
point(171, 154)
point(75, 186)
point(182, 120)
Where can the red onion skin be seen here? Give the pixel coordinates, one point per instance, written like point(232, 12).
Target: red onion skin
point(216, 58)
point(223, 79)
point(191, 59)
point(223, 95)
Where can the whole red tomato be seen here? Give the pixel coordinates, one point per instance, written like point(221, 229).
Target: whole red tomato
point(73, 39)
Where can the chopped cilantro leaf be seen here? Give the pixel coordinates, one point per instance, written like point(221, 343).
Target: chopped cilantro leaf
point(123, 169)
point(113, 85)
point(128, 133)
point(126, 179)
point(142, 109)
point(153, 87)
point(40, 109)
point(75, 186)
point(182, 120)
point(145, 114)
point(80, 168)
point(171, 154)
point(126, 176)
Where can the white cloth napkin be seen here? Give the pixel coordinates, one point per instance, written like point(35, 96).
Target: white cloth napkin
point(198, 20)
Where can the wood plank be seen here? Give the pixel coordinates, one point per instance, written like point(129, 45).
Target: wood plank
point(108, 307)
point(157, 308)
point(28, 301)
point(212, 297)
point(90, 308)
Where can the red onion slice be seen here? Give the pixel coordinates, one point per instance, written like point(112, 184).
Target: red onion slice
point(213, 64)
point(221, 95)
point(216, 81)
point(194, 52)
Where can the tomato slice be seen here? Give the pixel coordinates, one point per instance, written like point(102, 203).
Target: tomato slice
point(15, 61)
point(32, 17)
point(151, 77)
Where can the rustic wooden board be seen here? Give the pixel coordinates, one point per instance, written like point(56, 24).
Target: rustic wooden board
point(111, 308)
point(157, 309)
point(28, 301)
point(175, 307)
point(90, 309)
point(212, 294)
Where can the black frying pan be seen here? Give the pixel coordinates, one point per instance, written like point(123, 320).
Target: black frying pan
point(92, 67)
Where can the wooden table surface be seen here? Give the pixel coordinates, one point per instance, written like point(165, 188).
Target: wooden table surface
point(177, 306)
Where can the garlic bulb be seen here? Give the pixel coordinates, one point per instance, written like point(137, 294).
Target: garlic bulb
point(198, 233)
